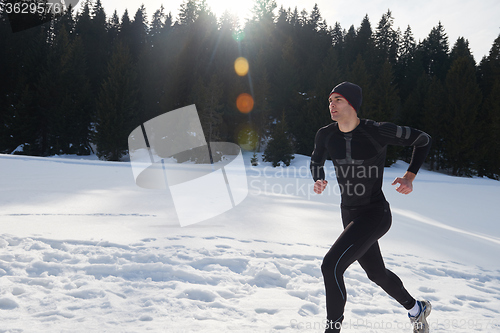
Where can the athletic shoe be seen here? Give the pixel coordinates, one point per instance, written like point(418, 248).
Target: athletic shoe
point(419, 322)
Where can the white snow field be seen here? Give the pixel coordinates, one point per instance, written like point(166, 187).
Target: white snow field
point(83, 249)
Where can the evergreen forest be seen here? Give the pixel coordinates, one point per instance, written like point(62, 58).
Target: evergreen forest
point(81, 82)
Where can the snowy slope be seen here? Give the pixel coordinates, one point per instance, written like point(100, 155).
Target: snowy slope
point(83, 249)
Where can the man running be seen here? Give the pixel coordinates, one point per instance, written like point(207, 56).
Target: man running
point(357, 148)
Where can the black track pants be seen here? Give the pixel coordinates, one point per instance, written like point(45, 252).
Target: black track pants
point(362, 228)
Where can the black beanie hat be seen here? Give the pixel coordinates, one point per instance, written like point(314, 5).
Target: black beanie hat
point(351, 92)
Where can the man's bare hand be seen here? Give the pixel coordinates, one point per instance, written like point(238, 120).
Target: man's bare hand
point(319, 186)
point(405, 183)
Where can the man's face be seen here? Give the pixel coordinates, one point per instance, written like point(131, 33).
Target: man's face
point(339, 107)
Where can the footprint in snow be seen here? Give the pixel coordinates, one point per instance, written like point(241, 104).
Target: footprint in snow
point(268, 311)
point(8, 304)
point(308, 310)
point(198, 295)
point(427, 290)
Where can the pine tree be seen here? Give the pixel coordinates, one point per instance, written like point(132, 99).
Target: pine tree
point(21, 127)
point(386, 105)
point(189, 12)
point(279, 148)
point(463, 103)
point(461, 49)
point(116, 106)
point(125, 30)
point(254, 160)
point(208, 97)
point(90, 26)
point(434, 112)
point(314, 114)
point(294, 18)
point(408, 67)
point(67, 19)
point(68, 81)
point(49, 96)
point(337, 35)
point(287, 78)
point(348, 52)
point(7, 74)
point(83, 19)
point(314, 43)
point(364, 45)
point(139, 33)
point(75, 105)
point(435, 50)
point(25, 119)
point(315, 22)
point(387, 100)
point(96, 44)
point(113, 28)
point(386, 39)
point(489, 68)
point(261, 113)
point(157, 26)
point(490, 164)
point(263, 10)
point(360, 76)
point(413, 108)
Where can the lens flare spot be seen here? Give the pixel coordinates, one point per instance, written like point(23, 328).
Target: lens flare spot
point(247, 137)
point(244, 103)
point(241, 66)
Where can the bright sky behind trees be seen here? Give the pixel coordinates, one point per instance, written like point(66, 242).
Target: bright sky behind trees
point(476, 20)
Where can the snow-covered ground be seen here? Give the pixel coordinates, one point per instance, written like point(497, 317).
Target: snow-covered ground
point(83, 249)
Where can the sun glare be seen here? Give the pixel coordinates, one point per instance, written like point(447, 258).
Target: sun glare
point(242, 9)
